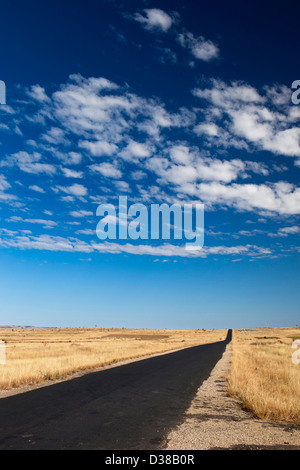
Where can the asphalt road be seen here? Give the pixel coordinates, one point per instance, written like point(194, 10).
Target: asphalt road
point(130, 407)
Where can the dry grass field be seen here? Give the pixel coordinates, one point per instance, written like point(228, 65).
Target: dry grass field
point(263, 375)
point(34, 356)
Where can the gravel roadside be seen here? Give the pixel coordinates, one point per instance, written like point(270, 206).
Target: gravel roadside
point(217, 421)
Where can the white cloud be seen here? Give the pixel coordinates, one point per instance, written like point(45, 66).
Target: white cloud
point(38, 93)
point(68, 173)
point(263, 120)
point(137, 134)
point(201, 48)
point(106, 169)
point(169, 250)
point(284, 231)
point(187, 165)
point(67, 198)
point(55, 135)
point(181, 154)
point(4, 184)
point(247, 125)
point(81, 213)
point(280, 198)
point(285, 142)
point(218, 170)
point(231, 96)
point(46, 243)
point(88, 108)
point(36, 188)
point(138, 175)
point(135, 150)
point(29, 163)
point(74, 189)
point(209, 129)
point(279, 95)
point(154, 20)
point(66, 157)
point(87, 231)
point(122, 186)
point(98, 148)
point(97, 116)
point(56, 243)
point(73, 158)
point(45, 223)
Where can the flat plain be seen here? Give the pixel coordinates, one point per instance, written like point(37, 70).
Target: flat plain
point(262, 374)
point(42, 355)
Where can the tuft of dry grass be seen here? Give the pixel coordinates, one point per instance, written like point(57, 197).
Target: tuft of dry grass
point(34, 356)
point(263, 376)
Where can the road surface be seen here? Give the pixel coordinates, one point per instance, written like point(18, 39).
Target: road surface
point(130, 407)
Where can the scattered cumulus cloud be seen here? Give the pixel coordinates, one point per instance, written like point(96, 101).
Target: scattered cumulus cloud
point(201, 48)
point(29, 163)
point(37, 188)
point(154, 19)
point(285, 231)
point(37, 93)
point(43, 222)
point(116, 141)
point(57, 243)
point(69, 173)
point(74, 189)
point(81, 213)
point(106, 169)
point(259, 119)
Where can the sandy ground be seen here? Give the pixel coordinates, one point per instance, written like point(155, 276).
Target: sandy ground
point(217, 421)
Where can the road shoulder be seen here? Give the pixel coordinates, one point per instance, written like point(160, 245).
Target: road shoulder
point(216, 421)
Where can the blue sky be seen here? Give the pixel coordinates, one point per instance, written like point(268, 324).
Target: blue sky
point(162, 102)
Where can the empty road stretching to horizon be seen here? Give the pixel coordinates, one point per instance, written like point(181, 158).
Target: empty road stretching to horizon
point(128, 407)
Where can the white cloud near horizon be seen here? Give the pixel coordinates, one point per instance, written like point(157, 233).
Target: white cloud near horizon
point(44, 242)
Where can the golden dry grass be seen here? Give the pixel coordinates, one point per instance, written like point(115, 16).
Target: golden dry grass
point(37, 355)
point(263, 375)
